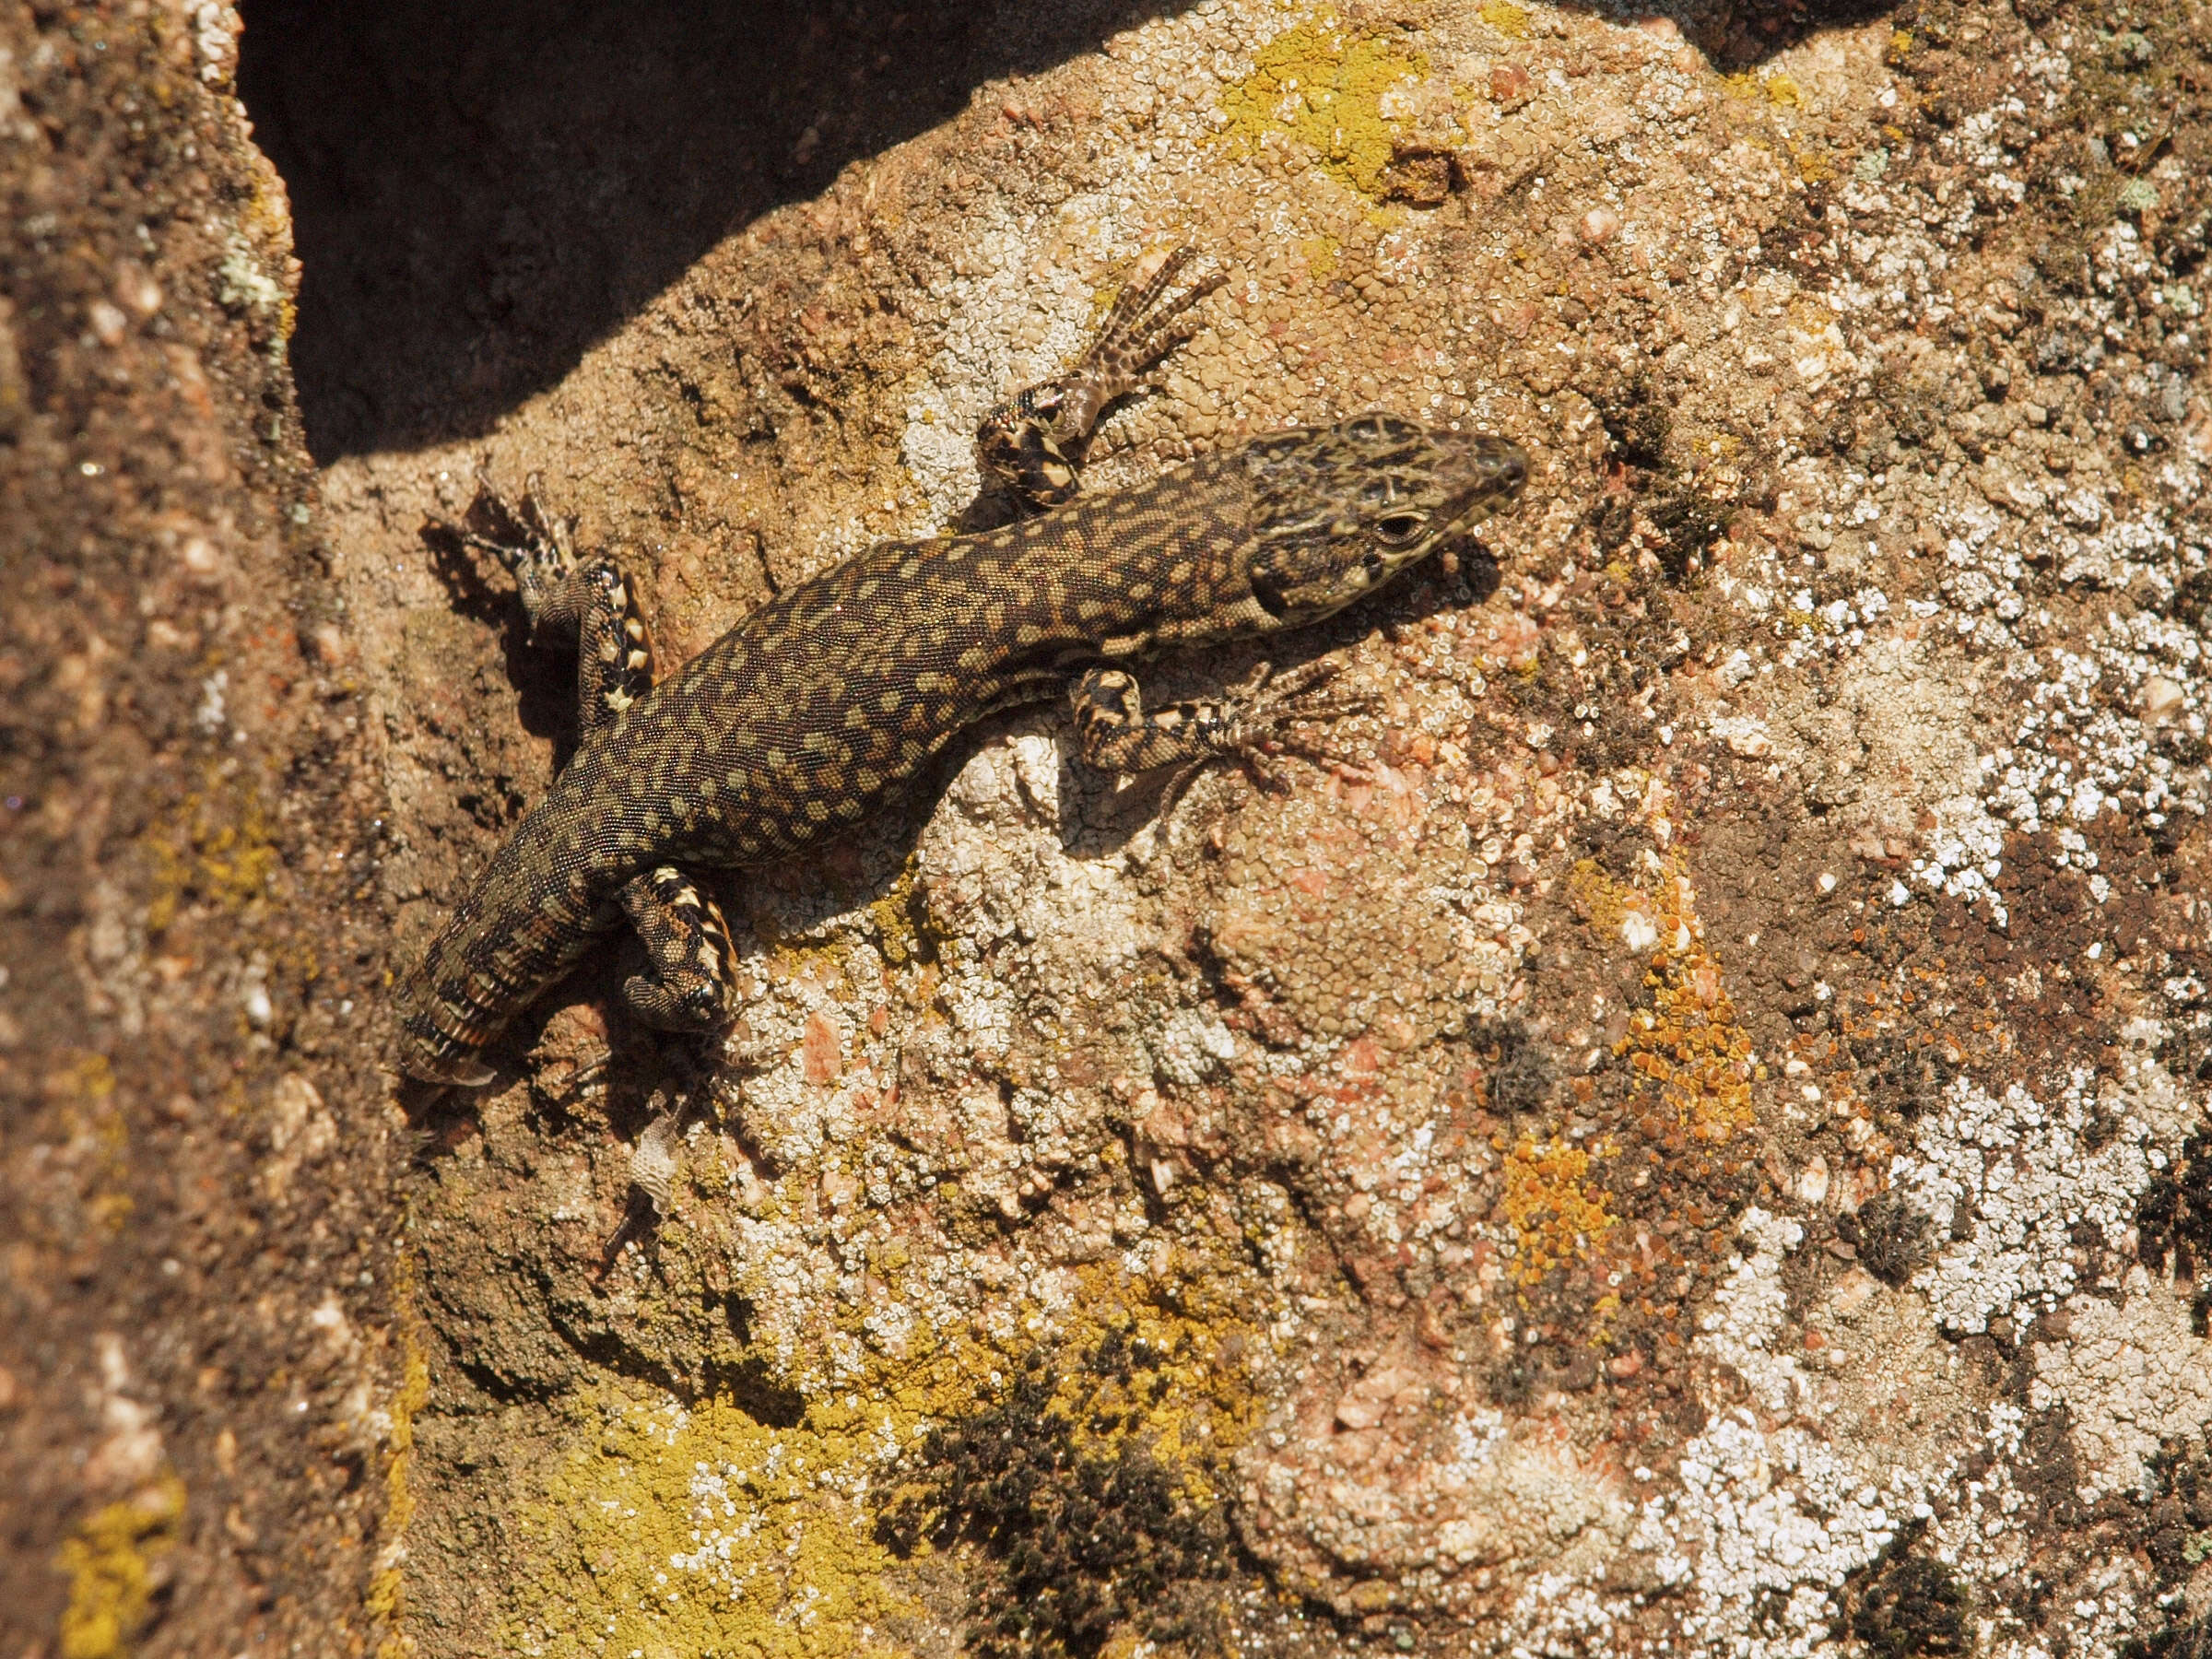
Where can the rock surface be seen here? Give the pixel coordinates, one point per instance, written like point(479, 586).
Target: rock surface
point(197, 1218)
point(1690, 1137)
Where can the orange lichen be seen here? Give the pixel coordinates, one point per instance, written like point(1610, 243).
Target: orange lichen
point(1557, 1213)
point(1688, 1047)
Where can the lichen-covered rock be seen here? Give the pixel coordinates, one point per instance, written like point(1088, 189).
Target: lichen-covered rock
point(196, 1209)
point(1679, 1138)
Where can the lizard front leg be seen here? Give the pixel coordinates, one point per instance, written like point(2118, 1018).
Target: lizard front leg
point(573, 601)
point(1035, 441)
point(1115, 733)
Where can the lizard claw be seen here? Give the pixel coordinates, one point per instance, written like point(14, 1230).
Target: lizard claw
point(1301, 697)
point(537, 548)
point(1139, 330)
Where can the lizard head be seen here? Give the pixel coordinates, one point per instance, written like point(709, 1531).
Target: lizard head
point(1338, 511)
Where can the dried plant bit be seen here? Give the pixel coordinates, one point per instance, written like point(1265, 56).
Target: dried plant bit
point(657, 1158)
point(654, 1163)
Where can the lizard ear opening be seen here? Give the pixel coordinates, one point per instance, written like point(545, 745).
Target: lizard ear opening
point(1268, 590)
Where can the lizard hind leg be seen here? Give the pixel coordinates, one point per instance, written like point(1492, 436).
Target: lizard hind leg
point(571, 599)
point(687, 946)
point(1034, 440)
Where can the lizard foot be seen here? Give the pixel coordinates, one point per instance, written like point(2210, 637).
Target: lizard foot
point(1273, 705)
point(1140, 329)
point(538, 548)
point(1256, 733)
point(1035, 440)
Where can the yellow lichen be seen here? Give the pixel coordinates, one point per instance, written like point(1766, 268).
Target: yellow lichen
point(704, 1529)
point(896, 937)
point(1590, 887)
point(112, 1560)
point(385, 1599)
point(99, 1137)
point(1197, 1403)
point(1323, 86)
point(1507, 20)
point(708, 1531)
point(1775, 87)
point(1557, 1213)
point(219, 847)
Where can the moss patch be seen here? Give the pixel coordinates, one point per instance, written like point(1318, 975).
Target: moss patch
point(1089, 1494)
point(1323, 86)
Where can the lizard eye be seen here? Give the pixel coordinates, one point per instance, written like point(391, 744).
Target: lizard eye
point(1401, 527)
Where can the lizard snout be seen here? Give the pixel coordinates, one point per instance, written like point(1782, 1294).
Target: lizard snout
point(1489, 476)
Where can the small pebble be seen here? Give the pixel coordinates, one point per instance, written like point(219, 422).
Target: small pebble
point(1599, 225)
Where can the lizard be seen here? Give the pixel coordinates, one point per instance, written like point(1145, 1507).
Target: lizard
point(806, 715)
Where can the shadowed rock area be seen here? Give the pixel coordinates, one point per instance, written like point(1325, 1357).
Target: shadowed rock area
point(480, 192)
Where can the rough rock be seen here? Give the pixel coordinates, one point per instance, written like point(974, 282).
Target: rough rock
point(1686, 1135)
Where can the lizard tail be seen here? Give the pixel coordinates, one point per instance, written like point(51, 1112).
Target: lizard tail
point(505, 943)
